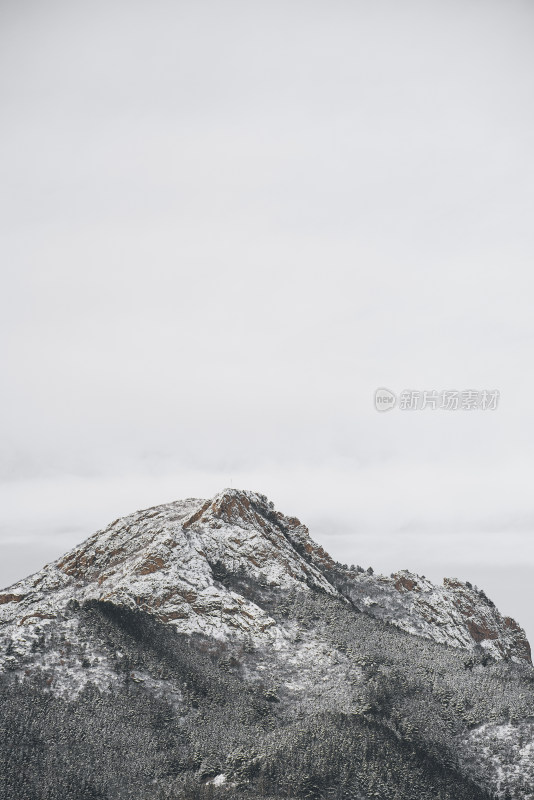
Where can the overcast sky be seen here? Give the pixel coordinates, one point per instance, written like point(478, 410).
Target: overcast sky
point(224, 225)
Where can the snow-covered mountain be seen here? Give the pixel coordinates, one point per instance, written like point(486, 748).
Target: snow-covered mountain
point(242, 592)
point(164, 560)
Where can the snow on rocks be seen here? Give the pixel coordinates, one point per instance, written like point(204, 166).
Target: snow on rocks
point(172, 561)
point(501, 756)
point(455, 614)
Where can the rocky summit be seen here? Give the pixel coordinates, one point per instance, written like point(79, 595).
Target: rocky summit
point(211, 648)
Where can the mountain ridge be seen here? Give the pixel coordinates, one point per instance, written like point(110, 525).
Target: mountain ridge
point(161, 561)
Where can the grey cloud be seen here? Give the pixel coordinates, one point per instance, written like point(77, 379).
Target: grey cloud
point(225, 225)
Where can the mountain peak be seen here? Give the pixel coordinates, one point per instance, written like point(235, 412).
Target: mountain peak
point(194, 564)
point(234, 507)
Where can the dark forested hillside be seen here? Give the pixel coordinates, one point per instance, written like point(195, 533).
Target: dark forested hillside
point(201, 676)
point(398, 740)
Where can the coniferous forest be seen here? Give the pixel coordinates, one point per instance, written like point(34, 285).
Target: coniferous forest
point(190, 717)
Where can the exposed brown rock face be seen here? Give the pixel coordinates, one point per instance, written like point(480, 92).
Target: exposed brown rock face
point(485, 623)
point(403, 583)
point(480, 632)
point(152, 564)
point(511, 623)
point(11, 598)
point(299, 535)
point(235, 508)
point(453, 583)
point(171, 616)
point(197, 515)
point(77, 564)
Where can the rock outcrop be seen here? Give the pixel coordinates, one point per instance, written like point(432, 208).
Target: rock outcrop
point(166, 561)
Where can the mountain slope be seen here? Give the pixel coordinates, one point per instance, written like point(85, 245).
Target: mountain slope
point(214, 624)
point(162, 560)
